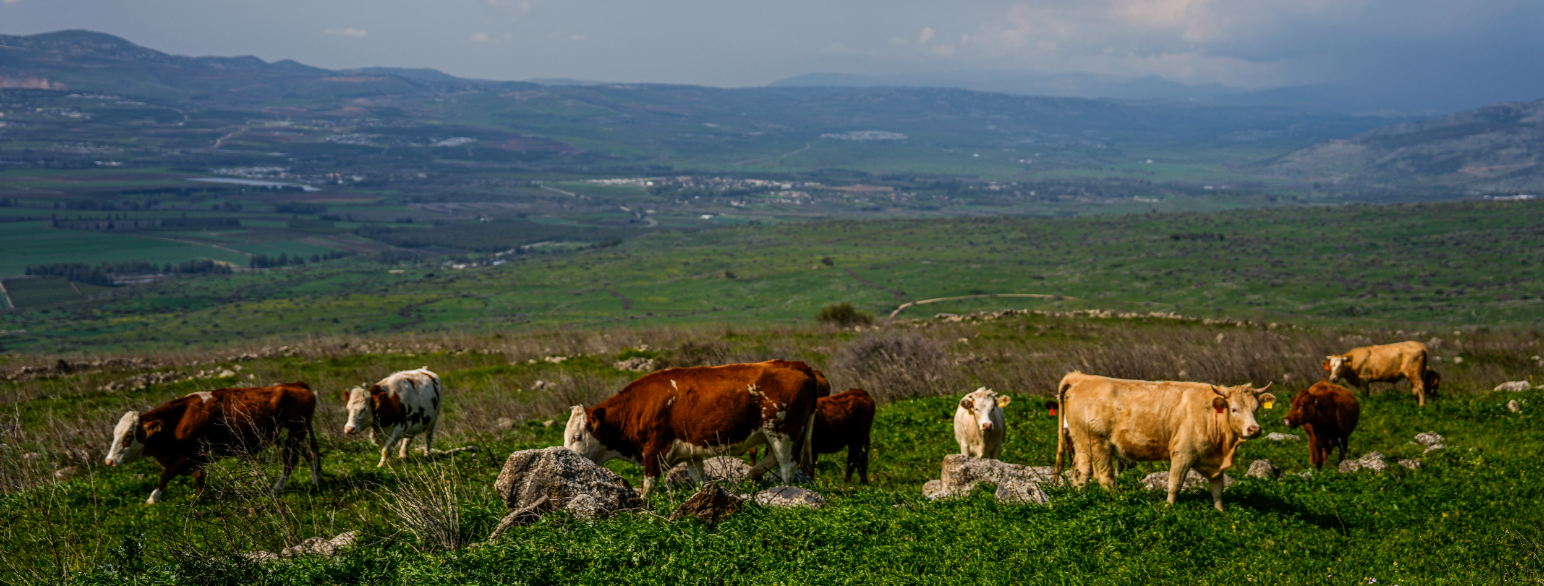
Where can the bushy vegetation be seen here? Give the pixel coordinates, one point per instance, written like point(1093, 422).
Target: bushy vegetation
point(101, 275)
point(1470, 514)
point(495, 236)
point(842, 314)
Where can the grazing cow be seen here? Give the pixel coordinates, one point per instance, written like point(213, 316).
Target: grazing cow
point(401, 405)
point(1328, 412)
point(1387, 363)
point(691, 414)
point(188, 433)
point(844, 420)
point(979, 426)
point(1192, 425)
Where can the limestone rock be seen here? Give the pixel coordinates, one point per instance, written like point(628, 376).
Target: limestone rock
point(503, 424)
point(711, 503)
point(635, 364)
point(729, 469)
point(535, 482)
point(1514, 406)
point(1514, 386)
point(1428, 439)
point(1370, 461)
point(1015, 483)
point(316, 546)
point(789, 496)
point(66, 473)
point(1263, 469)
point(1193, 480)
point(1282, 437)
point(1411, 464)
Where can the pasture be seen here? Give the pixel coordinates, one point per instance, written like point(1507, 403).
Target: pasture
point(1470, 514)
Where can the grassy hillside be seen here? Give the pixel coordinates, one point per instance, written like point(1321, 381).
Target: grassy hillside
point(1454, 264)
point(1470, 514)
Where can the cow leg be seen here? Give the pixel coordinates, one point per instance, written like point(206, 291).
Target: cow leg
point(694, 469)
point(167, 474)
point(1417, 385)
point(1100, 457)
point(391, 440)
point(1216, 483)
point(429, 436)
point(407, 440)
point(198, 475)
point(1178, 468)
point(313, 455)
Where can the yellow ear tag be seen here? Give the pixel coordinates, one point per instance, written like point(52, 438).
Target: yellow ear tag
point(1269, 404)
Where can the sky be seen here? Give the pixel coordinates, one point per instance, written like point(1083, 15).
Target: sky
point(1459, 53)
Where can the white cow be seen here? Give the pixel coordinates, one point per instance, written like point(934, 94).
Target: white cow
point(979, 425)
point(401, 405)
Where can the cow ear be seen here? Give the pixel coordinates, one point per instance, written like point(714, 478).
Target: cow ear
point(151, 428)
point(345, 397)
point(1220, 404)
point(1004, 400)
point(1268, 400)
point(966, 404)
point(595, 416)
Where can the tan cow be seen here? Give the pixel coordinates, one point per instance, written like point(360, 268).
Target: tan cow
point(1387, 363)
point(1192, 425)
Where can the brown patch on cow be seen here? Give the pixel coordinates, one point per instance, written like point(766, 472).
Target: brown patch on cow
point(1328, 414)
point(387, 408)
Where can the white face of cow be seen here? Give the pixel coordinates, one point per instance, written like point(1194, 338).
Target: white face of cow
point(1240, 404)
point(128, 440)
point(578, 439)
point(360, 411)
point(1334, 364)
point(980, 405)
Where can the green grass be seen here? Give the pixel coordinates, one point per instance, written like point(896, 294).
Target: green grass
point(34, 243)
point(1459, 264)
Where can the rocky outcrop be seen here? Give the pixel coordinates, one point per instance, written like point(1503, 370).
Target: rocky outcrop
point(727, 469)
point(316, 546)
point(711, 503)
point(1374, 461)
point(789, 497)
point(1431, 440)
point(536, 482)
point(1263, 469)
point(1515, 386)
point(1015, 483)
point(1193, 480)
point(1282, 437)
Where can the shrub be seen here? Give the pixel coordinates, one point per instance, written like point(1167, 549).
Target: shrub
point(893, 367)
point(843, 314)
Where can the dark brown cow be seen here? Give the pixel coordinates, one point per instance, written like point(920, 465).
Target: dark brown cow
point(690, 414)
point(186, 434)
point(844, 420)
point(1328, 412)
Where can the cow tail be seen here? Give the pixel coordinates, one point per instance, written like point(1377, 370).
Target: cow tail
point(808, 453)
point(1061, 426)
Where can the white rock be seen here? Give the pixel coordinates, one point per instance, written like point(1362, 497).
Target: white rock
point(1263, 469)
point(1514, 406)
point(1370, 461)
point(1428, 439)
point(1283, 437)
point(1411, 464)
point(790, 496)
point(1514, 386)
point(1193, 480)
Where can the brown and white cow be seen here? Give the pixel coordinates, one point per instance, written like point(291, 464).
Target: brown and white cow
point(401, 406)
point(1192, 425)
point(1363, 366)
point(691, 414)
point(186, 434)
point(845, 420)
point(1328, 412)
point(979, 425)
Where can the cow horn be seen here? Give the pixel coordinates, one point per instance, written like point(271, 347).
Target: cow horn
point(1262, 389)
point(1219, 393)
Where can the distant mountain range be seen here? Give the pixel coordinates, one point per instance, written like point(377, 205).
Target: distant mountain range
point(1497, 149)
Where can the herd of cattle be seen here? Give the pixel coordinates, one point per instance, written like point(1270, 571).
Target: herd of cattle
point(686, 415)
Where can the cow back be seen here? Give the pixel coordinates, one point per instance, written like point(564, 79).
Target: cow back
point(842, 420)
point(230, 420)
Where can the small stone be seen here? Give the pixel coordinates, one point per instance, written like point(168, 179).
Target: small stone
point(1263, 469)
point(1282, 437)
point(790, 496)
point(711, 503)
point(728, 469)
point(503, 424)
point(1374, 461)
point(29, 456)
point(226, 373)
point(548, 423)
point(1514, 406)
point(1428, 439)
point(1411, 464)
point(1433, 448)
point(1193, 480)
point(1514, 386)
point(933, 490)
point(66, 473)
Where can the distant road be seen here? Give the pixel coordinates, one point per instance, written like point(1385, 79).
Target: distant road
point(903, 306)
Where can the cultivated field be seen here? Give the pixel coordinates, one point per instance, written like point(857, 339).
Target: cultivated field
point(1470, 514)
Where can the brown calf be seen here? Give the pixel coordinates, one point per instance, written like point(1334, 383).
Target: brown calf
point(1328, 413)
point(844, 420)
point(186, 434)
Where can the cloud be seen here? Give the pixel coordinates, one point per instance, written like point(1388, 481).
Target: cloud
point(347, 32)
point(9, 1)
point(487, 38)
point(927, 35)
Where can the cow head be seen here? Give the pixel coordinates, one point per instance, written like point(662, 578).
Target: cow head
point(1240, 404)
point(361, 405)
point(129, 439)
point(1335, 365)
point(1305, 408)
point(980, 405)
point(579, 435)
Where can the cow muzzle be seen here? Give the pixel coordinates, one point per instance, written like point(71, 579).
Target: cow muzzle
point(109, 462)
point(1252, 430)
point(986, 426)
point(348, 429)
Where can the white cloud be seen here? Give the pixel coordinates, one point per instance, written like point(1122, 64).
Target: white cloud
point(479, 38)
point(347, 32)
point(926, 35)
point(9, 1)
point(487, 38)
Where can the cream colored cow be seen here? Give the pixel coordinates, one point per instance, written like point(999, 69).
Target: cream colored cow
point(1387, 363)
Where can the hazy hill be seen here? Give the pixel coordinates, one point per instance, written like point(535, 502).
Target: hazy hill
point(1495, 149)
